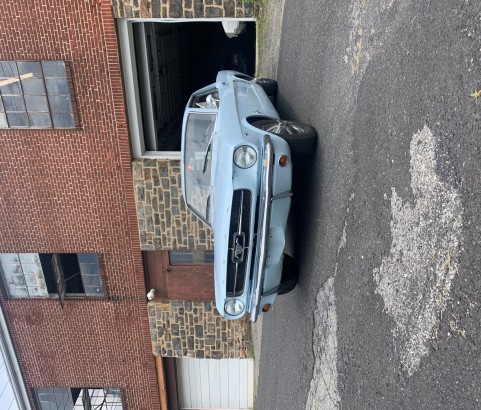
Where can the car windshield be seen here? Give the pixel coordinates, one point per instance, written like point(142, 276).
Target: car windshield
point(199, 135)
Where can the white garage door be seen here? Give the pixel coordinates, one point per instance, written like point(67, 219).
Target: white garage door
point(215, 384)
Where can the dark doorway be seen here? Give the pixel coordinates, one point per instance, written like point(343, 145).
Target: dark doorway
point(176, 59)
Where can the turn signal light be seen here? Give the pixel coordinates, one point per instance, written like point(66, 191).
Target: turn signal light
point(266, 307)
point(283, 160)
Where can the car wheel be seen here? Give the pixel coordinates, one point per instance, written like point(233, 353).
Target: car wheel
point(302, 138)
point(290, 274)
point(269, 86)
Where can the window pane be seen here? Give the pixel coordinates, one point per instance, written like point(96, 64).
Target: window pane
point(34, 279)
point(8, 69)
point(17, 291)
point(13, 275)
point(18, 119)
point(15, 280)
point(28, 258)
point(11, 89)
point(53, 69)
point(57, 86)
point(23, 275)
point(60, 103)
point(191, 257)
point(92, 280)
point(54, 399)
point(27, 67)
point(41, 120)
point(63, 120)
point(32, 269)
point(94, 292)
point(9, 258)
point(33, 86)
point(87, 258)
point(90, 269)
point(36, 103)
point(14, 103)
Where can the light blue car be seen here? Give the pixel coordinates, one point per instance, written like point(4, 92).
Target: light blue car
point(237, 177)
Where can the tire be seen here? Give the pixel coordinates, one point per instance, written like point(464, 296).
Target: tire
point(269, 86)
point(302, 138)
point(290, 275)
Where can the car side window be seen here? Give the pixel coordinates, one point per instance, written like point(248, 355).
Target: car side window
point(208, 100)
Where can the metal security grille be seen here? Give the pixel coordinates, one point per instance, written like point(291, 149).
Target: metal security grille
point(239, 235)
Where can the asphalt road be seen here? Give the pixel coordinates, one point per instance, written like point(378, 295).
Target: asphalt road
point(386, 220)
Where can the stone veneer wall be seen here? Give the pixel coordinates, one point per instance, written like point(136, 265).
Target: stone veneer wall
point(196, 330)
point(165, 223)
point(185, 8)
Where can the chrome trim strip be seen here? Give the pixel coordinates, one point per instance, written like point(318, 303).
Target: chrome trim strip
point(263, 232)
point(239, 230)
point(283, 195)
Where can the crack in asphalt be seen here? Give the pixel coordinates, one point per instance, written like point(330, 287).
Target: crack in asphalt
point(323, 391)
point(415, 279)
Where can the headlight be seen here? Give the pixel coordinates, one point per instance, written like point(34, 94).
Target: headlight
point(233, 307)
point(245, 156)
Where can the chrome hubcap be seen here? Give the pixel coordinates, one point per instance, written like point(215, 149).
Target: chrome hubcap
point(283, 127)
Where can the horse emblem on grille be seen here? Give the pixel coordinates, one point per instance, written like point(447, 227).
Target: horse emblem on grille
point(238, 247)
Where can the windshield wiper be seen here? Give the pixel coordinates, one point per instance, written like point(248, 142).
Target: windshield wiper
point(207, 206)
point(209, 146)
point(205, 157)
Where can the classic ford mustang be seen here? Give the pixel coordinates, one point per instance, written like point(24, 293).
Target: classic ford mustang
point(236, 177)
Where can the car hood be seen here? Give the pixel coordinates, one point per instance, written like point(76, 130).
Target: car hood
point(221, 203)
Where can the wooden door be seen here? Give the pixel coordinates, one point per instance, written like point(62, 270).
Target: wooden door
point(180, 275)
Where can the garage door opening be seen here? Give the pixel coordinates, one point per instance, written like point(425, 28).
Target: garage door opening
point(167, 63)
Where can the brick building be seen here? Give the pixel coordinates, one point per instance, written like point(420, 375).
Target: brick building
point(91, 212)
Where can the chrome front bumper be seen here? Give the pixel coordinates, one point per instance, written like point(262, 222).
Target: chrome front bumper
point(265, 205)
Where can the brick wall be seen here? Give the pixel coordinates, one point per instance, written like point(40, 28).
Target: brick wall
point(71, 191)
point(165, 223)
point(185, 8)
point(196, 330)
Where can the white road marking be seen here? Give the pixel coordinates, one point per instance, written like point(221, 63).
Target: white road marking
point(415, 279)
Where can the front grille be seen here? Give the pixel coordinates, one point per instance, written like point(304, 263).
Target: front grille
point(239, 237)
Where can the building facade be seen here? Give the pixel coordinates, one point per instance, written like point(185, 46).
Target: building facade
point(90, 223)
point(69, 191)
